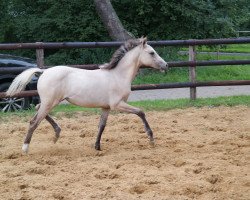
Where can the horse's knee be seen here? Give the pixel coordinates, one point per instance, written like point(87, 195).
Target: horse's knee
point(141, 114)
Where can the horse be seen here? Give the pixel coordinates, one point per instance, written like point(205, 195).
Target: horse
point(107, 88)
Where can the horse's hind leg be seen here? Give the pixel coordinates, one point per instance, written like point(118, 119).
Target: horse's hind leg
point(35, 121)
point(55, 126)
point(43, 111)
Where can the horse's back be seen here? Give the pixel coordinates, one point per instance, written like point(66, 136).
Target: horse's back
point(57, 72)
point(52, 81)
point(75, 85)
point(88, 88)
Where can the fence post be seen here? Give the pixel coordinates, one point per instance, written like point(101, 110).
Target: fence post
point(192, 72)
point(40, 56)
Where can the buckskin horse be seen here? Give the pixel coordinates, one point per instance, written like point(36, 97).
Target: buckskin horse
point(107, 88)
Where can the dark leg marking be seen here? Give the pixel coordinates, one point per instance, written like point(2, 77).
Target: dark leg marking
point(102, 124)
point(55, 126)
point(32, 127)
point(148, 130)
point(122, 106)
point(43, 111)
point(40, 115)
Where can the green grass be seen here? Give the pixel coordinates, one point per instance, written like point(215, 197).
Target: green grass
point(209, 73)
point(153, 77)
point(232, 48)
point(213, 73)
point(221, 57)
point(163, 105)
point(238, 72)
point(149, 105)
point(240, 48)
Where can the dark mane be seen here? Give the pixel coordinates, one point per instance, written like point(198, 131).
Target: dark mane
point(120, 52)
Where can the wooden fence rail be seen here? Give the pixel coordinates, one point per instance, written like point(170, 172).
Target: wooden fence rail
point(67, 45)
point(17, 70)
point(158, 86)
point(192, 63)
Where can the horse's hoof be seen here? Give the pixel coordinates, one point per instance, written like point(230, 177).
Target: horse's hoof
point(58, 131)
point(25, 148)
point(55, 139)
point(152, 143)
point(98, 147)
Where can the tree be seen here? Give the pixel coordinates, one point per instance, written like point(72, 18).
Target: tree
point(55, 21)
point(111, 21)
point(183, 19)
point(6, 23)
point(76, 20)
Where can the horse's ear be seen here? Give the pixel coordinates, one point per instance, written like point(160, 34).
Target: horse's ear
point(144, 41)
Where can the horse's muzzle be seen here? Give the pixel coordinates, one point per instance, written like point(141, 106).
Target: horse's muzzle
point(164, 68)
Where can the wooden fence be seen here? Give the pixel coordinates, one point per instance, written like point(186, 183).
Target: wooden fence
point(191, 64)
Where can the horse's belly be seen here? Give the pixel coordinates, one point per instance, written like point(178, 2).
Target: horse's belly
point(88, 101)
point(88, 90)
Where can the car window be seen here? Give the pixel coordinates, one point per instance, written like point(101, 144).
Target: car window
point(7, 60)
point(15, 63)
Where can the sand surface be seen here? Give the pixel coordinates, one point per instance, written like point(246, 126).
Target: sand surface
point(200, 153)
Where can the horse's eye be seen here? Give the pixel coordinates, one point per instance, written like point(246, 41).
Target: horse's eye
point(152, 53)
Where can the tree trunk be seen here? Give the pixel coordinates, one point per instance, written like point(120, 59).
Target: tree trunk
point(111, 21)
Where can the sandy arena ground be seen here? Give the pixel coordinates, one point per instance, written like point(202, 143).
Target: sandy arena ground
point(200, 153)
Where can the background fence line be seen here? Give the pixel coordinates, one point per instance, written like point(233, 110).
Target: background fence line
point(192, 63)
point(6, 70)
point(159, 43)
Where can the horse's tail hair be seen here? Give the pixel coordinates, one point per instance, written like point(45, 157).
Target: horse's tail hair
point(22, 80)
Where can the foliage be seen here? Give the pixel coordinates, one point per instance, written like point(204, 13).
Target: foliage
point(54, 21)
point(77, 20)
point(184, 19)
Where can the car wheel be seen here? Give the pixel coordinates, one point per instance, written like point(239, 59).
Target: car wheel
point(13, 103)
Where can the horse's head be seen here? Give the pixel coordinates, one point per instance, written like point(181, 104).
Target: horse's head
point(150, 58)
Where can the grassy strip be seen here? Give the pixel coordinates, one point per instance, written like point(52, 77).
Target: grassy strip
point(163, 105)
point(208, 73)
point(231, 48)
point(221, 57)
point(148, 105)
point(227, 72)
point(239, 48)
point(237, 72)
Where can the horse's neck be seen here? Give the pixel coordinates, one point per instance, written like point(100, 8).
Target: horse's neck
point(128, 67)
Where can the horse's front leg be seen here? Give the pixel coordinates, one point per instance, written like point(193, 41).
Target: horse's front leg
point(124, 107)
point(102, 124)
